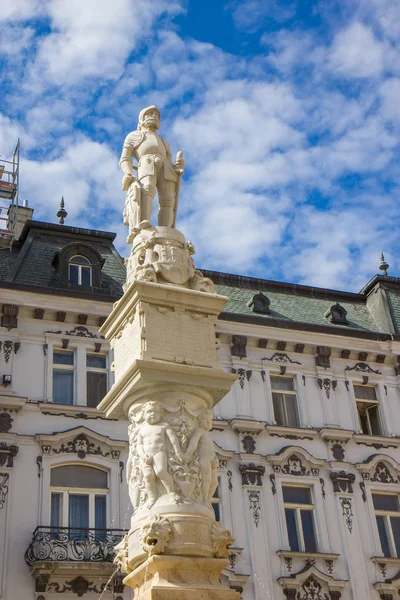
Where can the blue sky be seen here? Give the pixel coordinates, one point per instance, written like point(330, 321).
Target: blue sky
point(287, 111)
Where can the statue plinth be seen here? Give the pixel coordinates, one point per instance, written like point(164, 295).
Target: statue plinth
point(167, 379)
point(180, 578)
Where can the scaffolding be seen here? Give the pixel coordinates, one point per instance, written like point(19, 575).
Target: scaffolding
point(9, 187)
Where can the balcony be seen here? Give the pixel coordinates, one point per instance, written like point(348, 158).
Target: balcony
point(69, 544)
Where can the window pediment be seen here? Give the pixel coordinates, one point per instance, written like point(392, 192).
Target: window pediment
point(380, 468)
point(294, 460)
point(81, 442)
point(312, 584)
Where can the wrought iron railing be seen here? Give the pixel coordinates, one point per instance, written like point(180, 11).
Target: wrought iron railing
point(75, 544)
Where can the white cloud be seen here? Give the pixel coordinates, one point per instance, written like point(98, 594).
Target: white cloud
point(20, 10)
point(86, 174)
point(356, 52)
point(390, 98)
point(94, 38)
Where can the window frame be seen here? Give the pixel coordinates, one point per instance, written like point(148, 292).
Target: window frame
point(57, 367)
point(80, 267)
point(66, 491)
point(298, 507)
point(293, 392)
point(103, 370)
point(387, 514)
point(373, 404)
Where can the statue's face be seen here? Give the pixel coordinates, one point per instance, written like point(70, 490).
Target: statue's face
point(152, 414)
point(205, 421)
point(151, 120)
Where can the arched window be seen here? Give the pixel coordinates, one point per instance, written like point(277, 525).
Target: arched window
point(80, 270)
point(78, 498)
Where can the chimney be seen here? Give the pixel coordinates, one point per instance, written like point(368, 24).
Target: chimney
point(23, 214)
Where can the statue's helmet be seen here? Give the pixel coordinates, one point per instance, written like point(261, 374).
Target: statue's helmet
point(143, 113)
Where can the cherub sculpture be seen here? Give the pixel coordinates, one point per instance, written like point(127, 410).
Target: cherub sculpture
point(202, 441)
point(151, 449)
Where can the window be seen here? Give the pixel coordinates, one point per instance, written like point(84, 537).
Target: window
point(216, 503)
point(96, 378)
point(78, 498)
point(63, 376)
point(368, 410)
point(387, 514)
point(299, 513)
point(80, 271)
point(285, 401)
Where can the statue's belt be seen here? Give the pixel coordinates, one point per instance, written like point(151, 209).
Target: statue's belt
point(151, 158)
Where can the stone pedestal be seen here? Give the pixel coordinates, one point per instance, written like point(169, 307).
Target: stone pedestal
point(167, 380)
point(180, 578)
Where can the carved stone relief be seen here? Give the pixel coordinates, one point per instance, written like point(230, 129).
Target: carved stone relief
point(255, 507)
point(10, 316)
point(252, 474)
point(6, 421)
point(238, 345)
point(281, 357)
point(347, 512)
point(327, 384)
point(7, 454)
point(171, 452)
point(243, 375)
point(81, 446)
point(323, 357)
point(362, 367)
point(338, 451)
point(383, 475)
point(249, 444)
point(78, 586)
point(3, 488)
point(312, 590)
point(342, 481)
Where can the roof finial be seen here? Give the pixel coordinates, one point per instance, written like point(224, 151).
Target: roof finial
point(62, 213)
point(383, 266)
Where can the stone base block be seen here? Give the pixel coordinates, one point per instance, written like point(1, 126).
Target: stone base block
point(180, 578)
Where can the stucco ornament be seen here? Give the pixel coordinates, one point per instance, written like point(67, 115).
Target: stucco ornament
point(160, 253)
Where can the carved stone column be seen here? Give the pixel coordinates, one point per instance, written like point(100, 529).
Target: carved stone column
point(167, 379)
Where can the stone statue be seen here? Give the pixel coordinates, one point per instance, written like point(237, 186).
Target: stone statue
point(151, 449)
point(155, 172)
point(202, 441)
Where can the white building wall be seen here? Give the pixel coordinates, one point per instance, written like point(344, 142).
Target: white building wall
point(253, 510)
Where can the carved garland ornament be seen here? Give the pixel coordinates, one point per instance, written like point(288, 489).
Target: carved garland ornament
point(362, 367)
point(3, 488)
point(281, 357)
point(347, 512)
point(81, 446)
point(78, 586)
point(255, 507)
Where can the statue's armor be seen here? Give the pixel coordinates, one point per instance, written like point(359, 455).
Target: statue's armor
point(150, 149)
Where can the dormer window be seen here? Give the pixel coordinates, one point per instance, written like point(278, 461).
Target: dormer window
point(337, 314)
point(80, 271)
point(260, 304)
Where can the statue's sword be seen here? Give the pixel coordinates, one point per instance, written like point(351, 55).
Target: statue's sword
point(177, 190)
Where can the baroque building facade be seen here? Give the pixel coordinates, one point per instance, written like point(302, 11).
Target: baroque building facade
point(307, 439)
